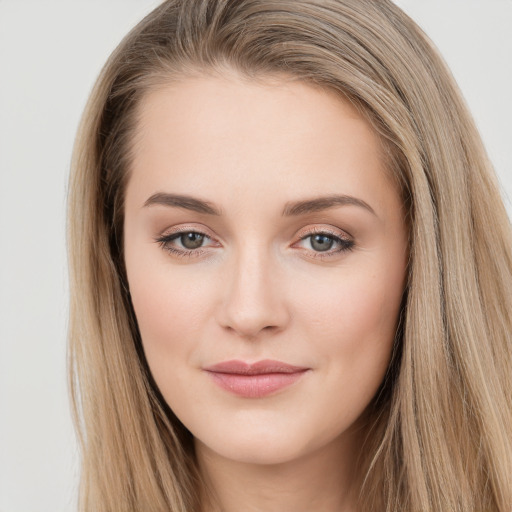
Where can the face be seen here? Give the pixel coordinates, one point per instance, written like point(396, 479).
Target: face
point(266, 254)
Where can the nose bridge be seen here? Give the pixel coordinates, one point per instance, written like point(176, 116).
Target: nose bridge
point(254, 300)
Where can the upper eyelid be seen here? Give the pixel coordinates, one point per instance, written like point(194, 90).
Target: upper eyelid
point(168, 232)
point(331, 231)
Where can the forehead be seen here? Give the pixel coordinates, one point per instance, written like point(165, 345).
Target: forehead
point(244, 103)
point(234, 134)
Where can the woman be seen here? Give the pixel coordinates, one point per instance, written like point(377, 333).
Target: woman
point(291, 269)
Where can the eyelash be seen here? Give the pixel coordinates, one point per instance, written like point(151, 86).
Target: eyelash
point(344, 244)
point(165, 242)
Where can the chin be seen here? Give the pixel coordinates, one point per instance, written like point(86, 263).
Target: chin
point(264, 445)
point(258, 452)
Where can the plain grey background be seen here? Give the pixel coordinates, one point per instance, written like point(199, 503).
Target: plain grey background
point(50, 54)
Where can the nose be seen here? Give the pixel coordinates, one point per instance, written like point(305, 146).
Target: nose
point(254, 298)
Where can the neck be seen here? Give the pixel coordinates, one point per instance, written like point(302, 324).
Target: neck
point(324, 481)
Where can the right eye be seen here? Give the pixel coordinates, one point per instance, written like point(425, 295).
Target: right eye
point(186, 243)
point(191, 240)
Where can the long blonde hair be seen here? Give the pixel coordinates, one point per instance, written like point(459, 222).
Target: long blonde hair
point(441, 424)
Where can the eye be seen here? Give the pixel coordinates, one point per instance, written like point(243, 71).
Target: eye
point(191, 240)
point(324, 243)
point(321, 242)
point(185, 243)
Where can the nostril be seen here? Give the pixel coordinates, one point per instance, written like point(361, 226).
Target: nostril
point(250, 324)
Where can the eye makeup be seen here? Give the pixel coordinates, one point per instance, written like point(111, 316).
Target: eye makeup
point(317, 242)
point(176, 243)
point(324, 243)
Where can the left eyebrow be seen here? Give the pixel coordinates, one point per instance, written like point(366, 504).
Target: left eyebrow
point(324, 203)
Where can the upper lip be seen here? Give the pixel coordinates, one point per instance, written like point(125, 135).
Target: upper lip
point(257, 368)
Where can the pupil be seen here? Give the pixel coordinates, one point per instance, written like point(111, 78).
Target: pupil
point(321, 242)
point(192, 240)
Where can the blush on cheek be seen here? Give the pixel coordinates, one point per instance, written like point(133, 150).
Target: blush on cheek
point(357, 322)
point(168, 309)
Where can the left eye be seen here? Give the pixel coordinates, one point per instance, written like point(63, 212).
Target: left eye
point(321, 242)
point(324, 242)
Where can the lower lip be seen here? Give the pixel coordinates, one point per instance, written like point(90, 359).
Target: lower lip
point(255, 386)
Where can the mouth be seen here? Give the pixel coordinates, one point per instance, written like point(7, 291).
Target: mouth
point(254, 380)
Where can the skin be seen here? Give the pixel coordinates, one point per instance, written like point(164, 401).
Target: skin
point(258, 287)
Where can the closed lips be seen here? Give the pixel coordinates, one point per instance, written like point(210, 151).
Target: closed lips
point(258, 368)
point(256, 380)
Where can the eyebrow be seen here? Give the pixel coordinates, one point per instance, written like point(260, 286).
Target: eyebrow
point(182, 201)
point(324, 203)
point(291, 209)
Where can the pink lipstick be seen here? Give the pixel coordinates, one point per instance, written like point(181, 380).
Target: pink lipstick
point(254, 380)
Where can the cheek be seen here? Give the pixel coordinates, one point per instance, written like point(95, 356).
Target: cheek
point(353, 322)
point(169, 305)
point(359, 307)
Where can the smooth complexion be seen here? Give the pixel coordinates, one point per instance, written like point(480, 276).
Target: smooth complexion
point(261, 225)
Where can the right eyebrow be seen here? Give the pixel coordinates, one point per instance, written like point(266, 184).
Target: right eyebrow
point(182, 201)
